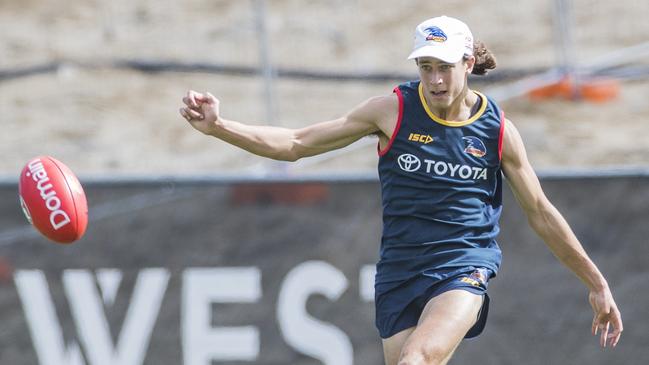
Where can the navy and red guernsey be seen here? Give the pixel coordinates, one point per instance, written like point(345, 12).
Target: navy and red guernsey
point(441, 187)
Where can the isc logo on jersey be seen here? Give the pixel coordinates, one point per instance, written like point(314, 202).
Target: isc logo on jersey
point(411, 163)
point(423, 138)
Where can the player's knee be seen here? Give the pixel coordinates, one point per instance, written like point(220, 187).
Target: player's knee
point(423, 354)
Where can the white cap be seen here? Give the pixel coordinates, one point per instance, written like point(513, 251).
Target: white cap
point(444, 38)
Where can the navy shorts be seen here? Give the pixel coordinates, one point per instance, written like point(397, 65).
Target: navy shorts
point(399, 307)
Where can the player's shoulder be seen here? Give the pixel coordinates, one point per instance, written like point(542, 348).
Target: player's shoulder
point(376, 110)
point(382, 103)
point(391, 100)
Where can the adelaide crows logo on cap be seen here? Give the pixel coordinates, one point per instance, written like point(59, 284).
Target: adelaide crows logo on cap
point(474, 146)
point(435, 34)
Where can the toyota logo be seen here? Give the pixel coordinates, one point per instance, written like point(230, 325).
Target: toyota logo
point(408, 162)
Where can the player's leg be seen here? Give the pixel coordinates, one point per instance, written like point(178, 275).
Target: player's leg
point(392, 346)
point(448, 358)
point(443, 324)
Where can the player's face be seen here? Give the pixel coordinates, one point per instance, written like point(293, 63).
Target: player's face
point(443, 82)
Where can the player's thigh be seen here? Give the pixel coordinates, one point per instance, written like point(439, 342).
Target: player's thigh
point(443, 323)
point(392, 346)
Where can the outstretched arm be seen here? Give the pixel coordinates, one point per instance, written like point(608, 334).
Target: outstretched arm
point(550, 225)
point(202, 112)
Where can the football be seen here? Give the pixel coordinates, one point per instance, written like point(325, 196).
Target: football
point(53, 200)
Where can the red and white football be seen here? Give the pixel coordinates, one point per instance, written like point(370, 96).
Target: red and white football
point(53, 200)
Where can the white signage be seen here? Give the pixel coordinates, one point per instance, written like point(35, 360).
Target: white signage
point(203, 343)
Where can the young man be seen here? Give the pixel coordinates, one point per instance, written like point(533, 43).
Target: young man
point(442, 150)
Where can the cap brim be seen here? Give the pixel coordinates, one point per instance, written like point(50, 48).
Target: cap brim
point(446, 55)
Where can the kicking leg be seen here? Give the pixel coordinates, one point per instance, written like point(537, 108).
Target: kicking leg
point(443, 324)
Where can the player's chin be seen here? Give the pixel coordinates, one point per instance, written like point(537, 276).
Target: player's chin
point(440, 101)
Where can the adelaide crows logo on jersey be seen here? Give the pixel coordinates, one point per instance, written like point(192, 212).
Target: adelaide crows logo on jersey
point(474, 146)
point(435, 34)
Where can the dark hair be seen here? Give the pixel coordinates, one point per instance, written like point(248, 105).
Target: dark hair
point(484, 59)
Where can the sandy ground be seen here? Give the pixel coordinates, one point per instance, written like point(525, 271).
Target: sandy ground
point(108, 121)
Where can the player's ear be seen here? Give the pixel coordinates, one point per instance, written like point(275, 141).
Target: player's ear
point(469, 61)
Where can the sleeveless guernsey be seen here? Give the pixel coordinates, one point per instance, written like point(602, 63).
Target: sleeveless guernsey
point(441, 190)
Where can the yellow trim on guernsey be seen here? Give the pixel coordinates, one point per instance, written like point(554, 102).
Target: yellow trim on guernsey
point(451, 123)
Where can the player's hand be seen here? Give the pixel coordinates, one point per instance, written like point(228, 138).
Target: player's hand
point(201, 111)
point(607, 318)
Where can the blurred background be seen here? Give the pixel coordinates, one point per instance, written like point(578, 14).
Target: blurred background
point(98, 84)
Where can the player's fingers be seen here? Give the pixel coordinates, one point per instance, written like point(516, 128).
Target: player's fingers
point(212, 100)
point(614, 337)
point(604, 336)
point(193, 113)
point(187, 101)
point(617, 328)
point(194, 98)
point(190, 114)
point(595, 325)
point(617, 320)
point(184, 114)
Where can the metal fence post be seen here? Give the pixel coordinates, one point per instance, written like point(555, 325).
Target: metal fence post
point(268, 72)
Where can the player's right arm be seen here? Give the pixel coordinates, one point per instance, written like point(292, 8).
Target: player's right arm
point(202, 112)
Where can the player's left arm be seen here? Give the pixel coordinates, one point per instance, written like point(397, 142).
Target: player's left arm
point(550, 225)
